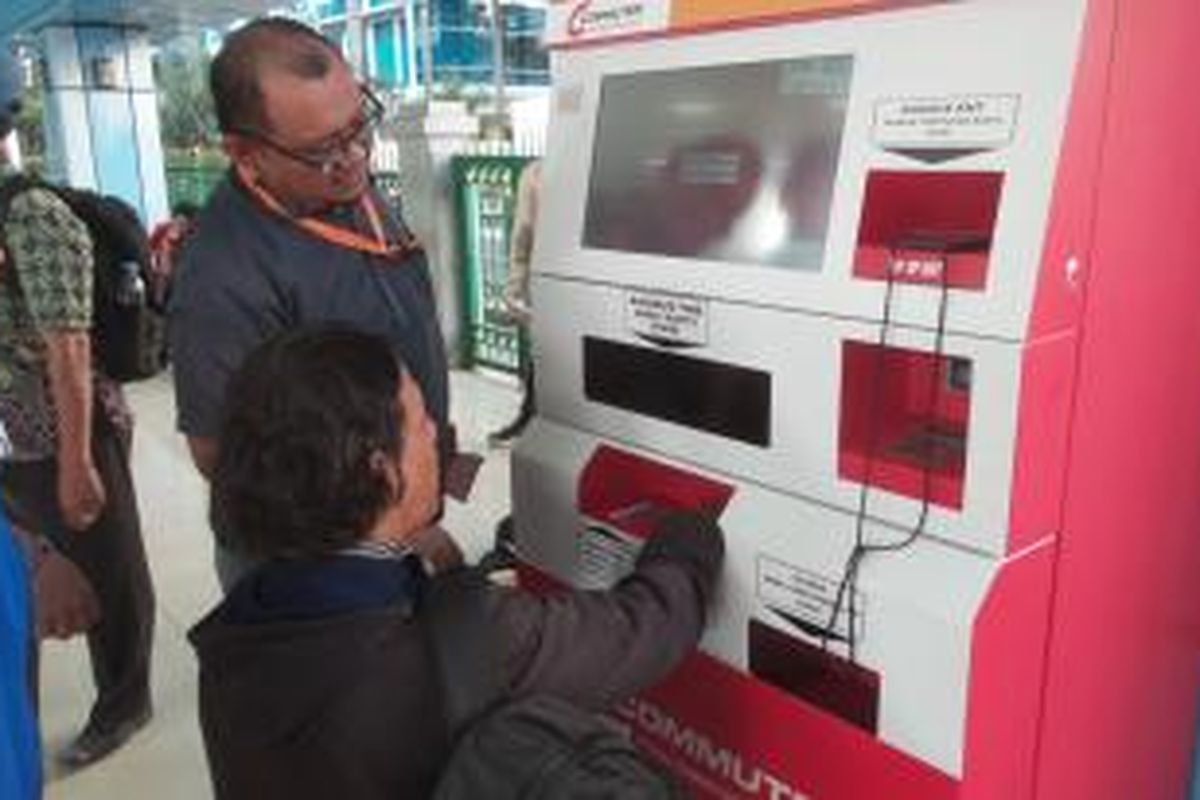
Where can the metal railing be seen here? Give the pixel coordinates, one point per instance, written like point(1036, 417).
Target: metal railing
point(485, 194)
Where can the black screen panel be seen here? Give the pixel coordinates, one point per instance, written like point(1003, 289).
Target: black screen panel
point(723, 399)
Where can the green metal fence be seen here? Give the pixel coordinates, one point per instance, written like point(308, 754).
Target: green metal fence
point(192, 184)
point(485, 194)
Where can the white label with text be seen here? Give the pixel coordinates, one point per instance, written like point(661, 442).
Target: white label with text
point(671, 318)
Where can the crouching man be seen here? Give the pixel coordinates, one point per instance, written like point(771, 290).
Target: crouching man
point(317, 673)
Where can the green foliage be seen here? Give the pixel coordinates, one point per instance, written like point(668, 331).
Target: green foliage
point(184, 104)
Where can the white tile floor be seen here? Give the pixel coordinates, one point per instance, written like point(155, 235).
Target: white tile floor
point(166, 760)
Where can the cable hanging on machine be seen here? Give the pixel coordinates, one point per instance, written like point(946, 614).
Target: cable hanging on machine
point(847, 586)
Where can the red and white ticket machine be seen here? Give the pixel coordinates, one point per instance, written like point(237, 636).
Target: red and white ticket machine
point(905, 295)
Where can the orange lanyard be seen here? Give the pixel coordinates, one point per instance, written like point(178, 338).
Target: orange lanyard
point(377, 246)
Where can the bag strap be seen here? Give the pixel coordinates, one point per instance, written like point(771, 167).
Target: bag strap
point(460, 634)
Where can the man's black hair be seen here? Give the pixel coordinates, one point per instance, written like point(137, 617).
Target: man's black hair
point(306, 416)
point(267, 43)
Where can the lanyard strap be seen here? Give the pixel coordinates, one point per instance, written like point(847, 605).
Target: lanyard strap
point(351, 240)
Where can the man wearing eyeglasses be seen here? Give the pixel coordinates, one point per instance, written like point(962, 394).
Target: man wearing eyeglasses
point(295, 235)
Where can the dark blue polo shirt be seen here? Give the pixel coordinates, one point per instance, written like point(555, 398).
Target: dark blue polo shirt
point(248, 273)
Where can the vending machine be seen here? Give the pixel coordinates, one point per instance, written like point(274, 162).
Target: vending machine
point(904, 294)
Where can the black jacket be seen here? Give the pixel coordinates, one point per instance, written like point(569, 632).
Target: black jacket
point(347, 705)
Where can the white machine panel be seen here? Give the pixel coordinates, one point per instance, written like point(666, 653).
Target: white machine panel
point(990, 99)
point(915, 609)
point(803, 355)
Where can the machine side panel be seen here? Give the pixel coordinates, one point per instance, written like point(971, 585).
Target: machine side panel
point(1040, 452)
point(1049, 363)
point(1008, 665)
point(1058, 300)
point(1121, 692)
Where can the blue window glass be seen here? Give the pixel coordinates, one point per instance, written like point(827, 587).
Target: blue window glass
point(526, 60)
point(336, 34)
point(388, 67)
point(331, 8)
point(461, 33)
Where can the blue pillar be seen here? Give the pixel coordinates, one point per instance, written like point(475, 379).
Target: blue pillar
point(102, 128)
point(412, 75)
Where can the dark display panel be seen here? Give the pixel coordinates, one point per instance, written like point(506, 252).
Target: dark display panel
point(724, 399)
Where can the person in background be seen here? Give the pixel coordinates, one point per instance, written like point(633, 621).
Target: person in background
point(516, 294)
point(165, 242)
point(67, 478)
point(317, 672)
point(296, 234)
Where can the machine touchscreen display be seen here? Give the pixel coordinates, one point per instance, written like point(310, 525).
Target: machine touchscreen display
point(726, 163)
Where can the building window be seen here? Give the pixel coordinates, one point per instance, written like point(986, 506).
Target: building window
point(331, 8)
point(388, 66)
point(461, 34)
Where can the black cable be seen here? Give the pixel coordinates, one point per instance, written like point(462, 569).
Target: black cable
point(873, 416)
point(847, 586)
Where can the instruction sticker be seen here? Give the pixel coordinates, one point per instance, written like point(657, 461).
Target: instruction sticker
point(934, 129)
point(805, 598)
point(667, 319)
point(606, 555)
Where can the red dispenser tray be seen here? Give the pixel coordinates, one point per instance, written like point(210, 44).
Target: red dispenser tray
point(904, 420)
point(626, 491)
point(928, 227)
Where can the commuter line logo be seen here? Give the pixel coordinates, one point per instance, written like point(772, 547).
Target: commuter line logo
point(590, 19)
point(711, 764)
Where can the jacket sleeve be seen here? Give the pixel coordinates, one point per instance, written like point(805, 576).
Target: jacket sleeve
point(597, 648)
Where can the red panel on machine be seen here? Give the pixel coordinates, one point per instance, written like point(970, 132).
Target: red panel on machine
point(815, 675)
point(904, 421)
point(623, 490)
point(732, 736)
point(917, 226)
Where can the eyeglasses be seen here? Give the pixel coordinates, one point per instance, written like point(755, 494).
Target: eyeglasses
point(338, 152)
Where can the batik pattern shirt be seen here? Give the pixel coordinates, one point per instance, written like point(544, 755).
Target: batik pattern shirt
point(45, 286)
